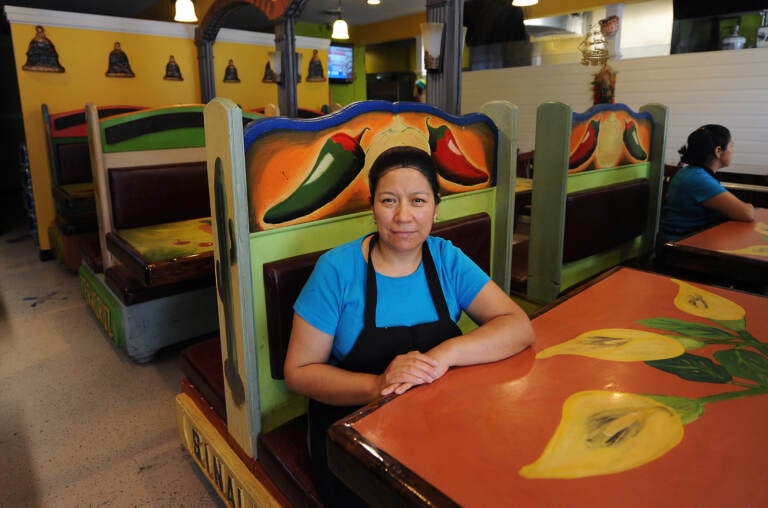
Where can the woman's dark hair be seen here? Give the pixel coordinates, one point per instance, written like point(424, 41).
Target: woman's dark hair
point(701, 145)
point(404, 157)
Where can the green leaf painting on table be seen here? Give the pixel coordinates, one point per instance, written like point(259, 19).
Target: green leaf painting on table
point(604, 432)
point(760, 250)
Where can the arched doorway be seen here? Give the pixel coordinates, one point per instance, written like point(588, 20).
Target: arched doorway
point(285, 11)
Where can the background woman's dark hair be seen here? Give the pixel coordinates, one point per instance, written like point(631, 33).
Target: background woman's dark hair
point(404, 157)
point(702, 142)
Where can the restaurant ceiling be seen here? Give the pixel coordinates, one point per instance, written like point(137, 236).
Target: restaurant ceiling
point(355, 12)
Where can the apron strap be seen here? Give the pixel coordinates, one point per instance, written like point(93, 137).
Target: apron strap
point(433, 281)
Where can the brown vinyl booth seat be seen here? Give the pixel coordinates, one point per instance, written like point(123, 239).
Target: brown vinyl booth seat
point(270, 264)
point(596, 196)
point(70, 165)
point(73, 231)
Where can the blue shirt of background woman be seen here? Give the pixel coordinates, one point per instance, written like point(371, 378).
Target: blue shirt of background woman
point(695, 199)
point(683, 211)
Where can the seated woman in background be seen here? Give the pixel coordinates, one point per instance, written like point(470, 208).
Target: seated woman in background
point(695, 199)
point(378, 314)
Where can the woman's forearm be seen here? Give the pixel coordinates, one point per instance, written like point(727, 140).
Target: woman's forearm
point(333, 385)
point(499, 338)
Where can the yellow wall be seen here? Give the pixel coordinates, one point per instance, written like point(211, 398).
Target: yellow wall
point(394, 57)
point(84, 54)
point(251, 92)
point(385, 31)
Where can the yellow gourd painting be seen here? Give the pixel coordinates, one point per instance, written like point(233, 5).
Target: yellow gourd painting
point(609, 136)
point(604, 432)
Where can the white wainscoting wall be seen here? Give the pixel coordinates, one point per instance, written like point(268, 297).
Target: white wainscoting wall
point(725, 87)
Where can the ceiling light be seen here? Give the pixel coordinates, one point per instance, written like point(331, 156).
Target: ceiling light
point(340, 30)
point(185, 11)
point(524, 3)
point(374, 2)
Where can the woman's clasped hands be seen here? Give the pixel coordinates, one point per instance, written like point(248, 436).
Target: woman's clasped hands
point(409, 370)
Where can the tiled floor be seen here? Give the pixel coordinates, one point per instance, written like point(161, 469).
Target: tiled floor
point(80, 423)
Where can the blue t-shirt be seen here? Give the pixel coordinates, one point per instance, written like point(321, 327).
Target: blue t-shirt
point(333, 299)
point(683, 212)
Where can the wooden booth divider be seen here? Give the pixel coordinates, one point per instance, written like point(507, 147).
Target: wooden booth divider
point(154, 221)
point(596, 196)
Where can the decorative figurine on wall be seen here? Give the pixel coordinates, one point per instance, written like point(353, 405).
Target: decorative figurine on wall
point(230, 74)
point(269, 74)
point(41, 54)
point(119, 67)
point(315, 68)
point(172, 70)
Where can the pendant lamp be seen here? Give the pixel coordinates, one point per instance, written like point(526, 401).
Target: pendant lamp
point(524, 3)
point(185, 11)
point(373, 2)
point(340, 28)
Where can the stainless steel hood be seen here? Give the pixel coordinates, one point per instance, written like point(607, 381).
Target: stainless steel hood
point(568, 24)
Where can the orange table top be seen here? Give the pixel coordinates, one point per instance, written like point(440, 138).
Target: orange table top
point(479, 434)
point(743, 239)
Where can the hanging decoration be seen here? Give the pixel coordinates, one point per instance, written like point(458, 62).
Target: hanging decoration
point(41, 54)
point(594, 51)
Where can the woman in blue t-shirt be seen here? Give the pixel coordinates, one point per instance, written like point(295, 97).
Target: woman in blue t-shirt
point(695, 199)
point(378, 314)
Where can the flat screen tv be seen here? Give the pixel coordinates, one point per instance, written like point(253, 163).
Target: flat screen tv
point(340, 63)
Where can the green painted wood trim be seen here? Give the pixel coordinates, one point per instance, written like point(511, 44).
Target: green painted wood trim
point(54, 237)
point(660, 114)
point(174, 138)
point(601, 177)
point(553, 134)
point(528, 306)
point(578, 271)
point(52, 159)
point(103, 304)
point(505, 115)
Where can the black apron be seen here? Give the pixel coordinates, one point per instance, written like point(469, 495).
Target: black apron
point(373, 351)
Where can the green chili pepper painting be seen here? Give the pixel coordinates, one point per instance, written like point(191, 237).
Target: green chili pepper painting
point(340, 160)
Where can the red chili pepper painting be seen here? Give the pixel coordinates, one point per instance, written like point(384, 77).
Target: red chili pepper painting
point(451, 162)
